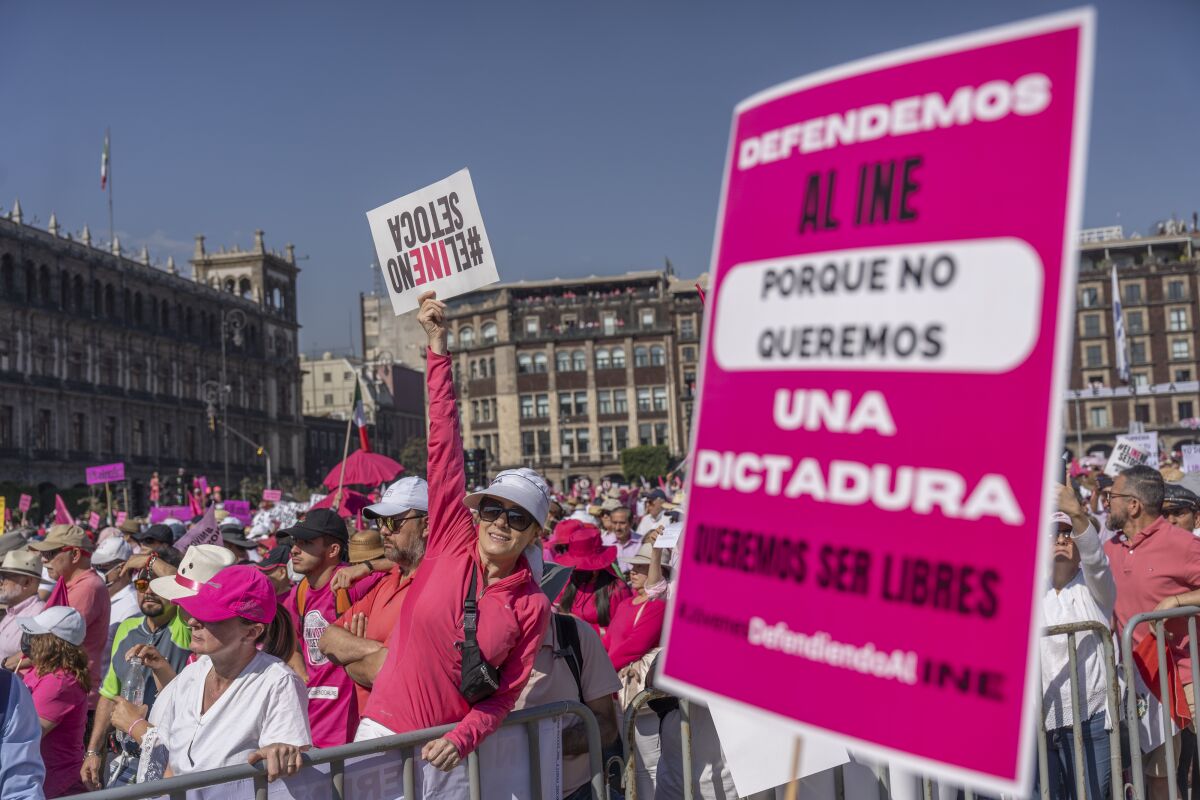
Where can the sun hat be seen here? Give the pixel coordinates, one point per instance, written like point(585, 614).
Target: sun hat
point(241, 591)
point(22, 562)
point(64, 536)
point(130, 526)
point(320, 522)
point(586, 551)
point(522, 486)
point(110, 551)
point(365, 545)
point(643, 553)
point(200, 563)
point(157, 533)
point(62, 621)
point(406, 494)
point(610, 505)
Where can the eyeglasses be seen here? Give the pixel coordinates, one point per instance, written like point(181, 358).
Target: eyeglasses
point(393, 524)
point(50, 555)
point(141, 584)
point(1110, 495)
point(518, 518)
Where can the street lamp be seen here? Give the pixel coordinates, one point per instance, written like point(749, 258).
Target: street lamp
point(233, 320)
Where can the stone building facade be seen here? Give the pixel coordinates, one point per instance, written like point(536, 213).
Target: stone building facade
point(563, 375)
point(105, 358)
point(389, 337)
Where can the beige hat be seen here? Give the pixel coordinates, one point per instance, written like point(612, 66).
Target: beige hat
point(200, 563)
point(611, 505)
point(365, 545)
point(64, 536)
point(643, 554)
point(22, 562)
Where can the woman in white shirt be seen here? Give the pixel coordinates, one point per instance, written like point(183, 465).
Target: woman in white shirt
point(235, 703)
point(1082, 590)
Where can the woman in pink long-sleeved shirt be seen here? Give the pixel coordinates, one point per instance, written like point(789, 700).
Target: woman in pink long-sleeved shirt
point(637, 623)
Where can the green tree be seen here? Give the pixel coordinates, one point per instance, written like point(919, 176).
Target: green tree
point(414, 457)
point(647, 461)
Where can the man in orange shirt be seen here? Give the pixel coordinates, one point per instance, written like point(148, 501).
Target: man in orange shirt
point(364, 628)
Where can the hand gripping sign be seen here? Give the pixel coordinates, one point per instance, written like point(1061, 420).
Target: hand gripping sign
point(886, 340)
point(432, 239)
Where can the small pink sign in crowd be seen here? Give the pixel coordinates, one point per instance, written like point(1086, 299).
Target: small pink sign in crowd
point(105, 473)
point(894, 235)
point(272, 495)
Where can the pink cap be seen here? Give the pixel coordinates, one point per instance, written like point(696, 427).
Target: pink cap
point(239, 591)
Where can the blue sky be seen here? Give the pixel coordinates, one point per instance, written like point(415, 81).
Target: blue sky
point(595, 133)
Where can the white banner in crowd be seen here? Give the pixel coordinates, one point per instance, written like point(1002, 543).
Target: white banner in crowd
point(1191, 457)
point(432, 239)
point(1131, 450)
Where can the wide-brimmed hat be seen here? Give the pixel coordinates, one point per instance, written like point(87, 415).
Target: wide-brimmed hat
point(156, 533)
point(522, 486)
point(22, 562)
point(130, 526)
point(365, 545)
point(64, 536)
point(563, 531)
point(586, 551)
point(200, 563)
point(406, 494)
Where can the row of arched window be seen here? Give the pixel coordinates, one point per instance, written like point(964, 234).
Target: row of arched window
point(605, 358)
point(489, 333)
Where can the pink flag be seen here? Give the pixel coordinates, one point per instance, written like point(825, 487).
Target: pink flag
point(203, 532)
point(61, 515)
point(58, 595)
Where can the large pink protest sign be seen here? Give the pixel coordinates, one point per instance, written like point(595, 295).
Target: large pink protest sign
point(887, 331)
point(105, 473)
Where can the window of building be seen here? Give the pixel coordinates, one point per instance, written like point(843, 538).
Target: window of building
point(1175, 290)
point(347, 376)
point(1141, 379)
point(574, 442)
point(660, 433)
point(532, 326)
point(450, 339)
point(622, 432)
point(7, 416)
point(524, 363)
point(1133, 293)
point(568, 322)
point(328, 399)
point(1177, 319)
point(1089, 297)
point(466, 335)
point(1141, 412)
point(1137, 352)
point(562, 360)
point(647, 317)
point(687, 327)
point(579, 361)
point(618, 358)
point(641, 357)
point(607, 442)
point(139, 437)
point(526, 404)
point(539, 362)
point(1091, 324)
point(660, 398)
point(581, 404)
point(602, 358)
point(1134, 321)
point(1181, 348)
point(1186, 411)
point(489, 333)
point(565, 404)
point(658, 356)
point(78, 432)
point(582, 442)
point(327, 377)
point(542, 403)
point(620, 402)
point(643, 399)
point(645, 434)
point(108, 435)
point(688, 353)
point(528, 444)
point(1093, 355)
point(1098, 417)
point(1182, 375)
point(608, 322)
point(474, 411)
point(474, 369)
point(689, 382)
point(604, 402)
point(1094, 380)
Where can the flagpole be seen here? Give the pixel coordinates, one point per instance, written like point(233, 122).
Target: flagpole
point(337, 498)
point(109, 180)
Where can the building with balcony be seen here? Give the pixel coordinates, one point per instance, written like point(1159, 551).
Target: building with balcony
point(562, 375)
point(105, 358)
point(1159, 281)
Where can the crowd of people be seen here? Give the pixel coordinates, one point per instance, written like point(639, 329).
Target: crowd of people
point(140, 651)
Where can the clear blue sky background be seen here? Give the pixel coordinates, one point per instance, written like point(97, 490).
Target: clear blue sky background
point(595, 132)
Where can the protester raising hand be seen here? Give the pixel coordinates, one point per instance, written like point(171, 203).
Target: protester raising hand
point(432, 317)
point(1068, 504)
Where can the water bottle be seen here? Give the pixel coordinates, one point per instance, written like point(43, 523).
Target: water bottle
point(133, 689)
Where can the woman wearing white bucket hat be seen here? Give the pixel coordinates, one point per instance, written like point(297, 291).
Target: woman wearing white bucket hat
point(474, 617)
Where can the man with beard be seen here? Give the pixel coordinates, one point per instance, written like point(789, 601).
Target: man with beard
point(364, 628)
point(162, 640)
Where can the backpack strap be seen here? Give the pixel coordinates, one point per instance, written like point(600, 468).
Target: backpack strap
point(301, 596)
point(570, 649)
point(342, 599)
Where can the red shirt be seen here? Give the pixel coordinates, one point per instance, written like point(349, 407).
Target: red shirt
point(87, 594)
point(635, 631)
point(417, 687)
point(382, 606)
point(1159, 562)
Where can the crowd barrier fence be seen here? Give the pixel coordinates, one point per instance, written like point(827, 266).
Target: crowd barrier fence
point(685, 735)
point(177, 787)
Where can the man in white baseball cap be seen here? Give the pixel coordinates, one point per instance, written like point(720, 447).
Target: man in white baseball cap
point(19, 575)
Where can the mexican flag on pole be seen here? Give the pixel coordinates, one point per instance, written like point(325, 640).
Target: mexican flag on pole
point(104, 164)
point(359, 414)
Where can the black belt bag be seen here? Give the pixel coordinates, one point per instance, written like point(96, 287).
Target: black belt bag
point(479, 678)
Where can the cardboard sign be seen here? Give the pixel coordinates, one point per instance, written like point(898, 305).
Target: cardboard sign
point(1191, 457)
point(272, 495)
point(1131, 450)
point(432, 239)
point(105, 473)
point(871, 216)
point(24, 503)
point(669, 536)
point(94, 521)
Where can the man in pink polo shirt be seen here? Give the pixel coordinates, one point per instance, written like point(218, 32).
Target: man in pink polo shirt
point(67, 555)
point(1156, 567)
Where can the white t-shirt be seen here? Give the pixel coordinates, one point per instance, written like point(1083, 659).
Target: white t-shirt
point(266, 704)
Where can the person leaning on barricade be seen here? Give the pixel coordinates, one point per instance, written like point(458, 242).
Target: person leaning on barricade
point(236, 702)
point(1082, 590)
point(473, 620)
point(1156, 567)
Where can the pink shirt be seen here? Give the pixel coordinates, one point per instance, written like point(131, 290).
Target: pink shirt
point(635, 631)
point(87, 594)
point(1159, 562)
point(584, 604)
point(423, 668)
point(58, 698)
point(10, 631)
point(333, 711)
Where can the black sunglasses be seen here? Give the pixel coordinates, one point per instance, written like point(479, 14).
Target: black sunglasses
point(518, 518)
point(392, 524)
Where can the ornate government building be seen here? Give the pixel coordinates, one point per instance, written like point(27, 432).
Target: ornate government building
point(105, 358)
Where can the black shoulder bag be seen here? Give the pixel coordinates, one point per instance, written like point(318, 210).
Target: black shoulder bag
point(479, 678)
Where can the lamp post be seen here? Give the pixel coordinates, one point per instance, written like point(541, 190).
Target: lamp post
point(233, 320)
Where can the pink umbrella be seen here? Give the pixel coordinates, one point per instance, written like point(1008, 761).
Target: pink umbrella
point(364, 468)
point(351, 504)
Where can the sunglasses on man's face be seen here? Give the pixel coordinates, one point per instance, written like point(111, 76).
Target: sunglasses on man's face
point(393, 524)
point(518, 518)
point(50, 555)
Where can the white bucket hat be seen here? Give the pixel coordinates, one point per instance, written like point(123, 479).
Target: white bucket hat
point(403, 495)
point(200, 563)
point(522, 486)
point(63, 621)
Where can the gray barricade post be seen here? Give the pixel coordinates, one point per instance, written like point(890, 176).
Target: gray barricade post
point(177, 787)
point(685, 735)
point(1156, 619)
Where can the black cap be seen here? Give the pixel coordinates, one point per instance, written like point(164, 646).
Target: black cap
point(1175, 495)
point(320, 522)
point(277, 556)
point(235, 538)
point(657, 494)
point(159, 533)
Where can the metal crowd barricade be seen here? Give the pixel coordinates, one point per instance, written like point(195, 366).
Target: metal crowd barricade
point(1156, 619)
point(685, 735)
point(177, 787)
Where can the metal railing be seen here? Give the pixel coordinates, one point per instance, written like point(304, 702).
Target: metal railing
point(177, 787)
point(685, 736)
